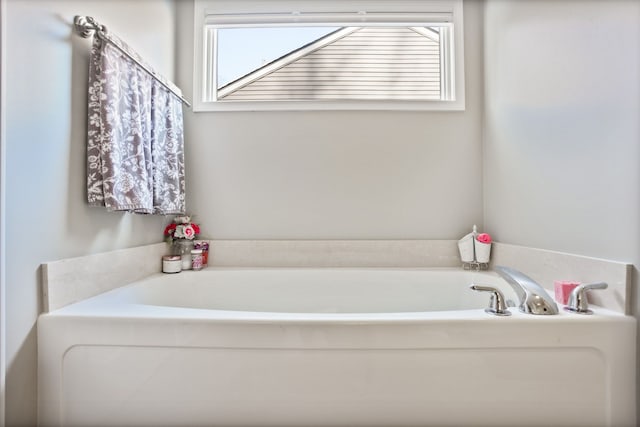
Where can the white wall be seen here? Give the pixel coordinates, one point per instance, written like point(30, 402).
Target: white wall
point(343, 175)
point(562, 107)
point(47, 217)
point(3, 158)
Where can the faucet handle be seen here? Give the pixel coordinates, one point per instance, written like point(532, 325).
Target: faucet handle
point(497, 303)
point(578, 298)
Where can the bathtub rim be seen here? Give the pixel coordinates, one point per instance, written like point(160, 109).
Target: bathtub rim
point(113, 309)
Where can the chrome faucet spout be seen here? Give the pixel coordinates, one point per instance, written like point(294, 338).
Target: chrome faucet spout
point(533, 298)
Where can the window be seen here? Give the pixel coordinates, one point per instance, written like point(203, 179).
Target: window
point(323, 55)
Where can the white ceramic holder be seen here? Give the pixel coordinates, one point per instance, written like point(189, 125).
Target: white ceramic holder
point(475, 255)
point(466, 248)
point(483, 251)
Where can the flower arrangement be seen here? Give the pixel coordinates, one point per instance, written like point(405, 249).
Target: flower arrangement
point(181, 228)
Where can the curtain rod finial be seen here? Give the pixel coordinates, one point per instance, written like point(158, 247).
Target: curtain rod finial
point(85, 26)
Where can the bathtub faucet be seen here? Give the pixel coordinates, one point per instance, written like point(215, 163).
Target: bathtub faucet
point(533, 298)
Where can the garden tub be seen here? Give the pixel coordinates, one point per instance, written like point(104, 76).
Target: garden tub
point(329, 347)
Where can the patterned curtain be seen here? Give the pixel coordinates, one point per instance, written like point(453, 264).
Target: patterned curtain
point(135, 146)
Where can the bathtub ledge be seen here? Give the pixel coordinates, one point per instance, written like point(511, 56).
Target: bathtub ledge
point(71, 280)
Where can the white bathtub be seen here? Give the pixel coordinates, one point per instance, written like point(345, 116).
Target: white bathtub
point(329, 347)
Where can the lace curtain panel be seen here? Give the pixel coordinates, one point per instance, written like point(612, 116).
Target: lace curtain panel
point(135, 145)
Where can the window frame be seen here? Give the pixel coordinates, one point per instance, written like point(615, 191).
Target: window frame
point(212, 14)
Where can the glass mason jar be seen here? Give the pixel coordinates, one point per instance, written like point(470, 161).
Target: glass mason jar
point(183, 248)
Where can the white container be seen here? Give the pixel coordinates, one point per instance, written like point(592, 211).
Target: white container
point(483, 251)
point(465, 246)
point(196, 259)
point(171, 264)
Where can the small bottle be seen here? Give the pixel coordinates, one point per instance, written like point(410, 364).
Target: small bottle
point(204, 245)
point(196, 259)
point(205, 254)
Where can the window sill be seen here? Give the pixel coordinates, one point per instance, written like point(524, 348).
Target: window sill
point(458, 105)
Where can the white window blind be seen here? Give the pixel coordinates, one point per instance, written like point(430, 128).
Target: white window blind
point(368, 78)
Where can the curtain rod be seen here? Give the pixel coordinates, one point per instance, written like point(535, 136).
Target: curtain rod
point(86, 26)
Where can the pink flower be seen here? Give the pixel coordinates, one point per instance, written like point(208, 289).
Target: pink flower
point(189, 232)
point(484, 238)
